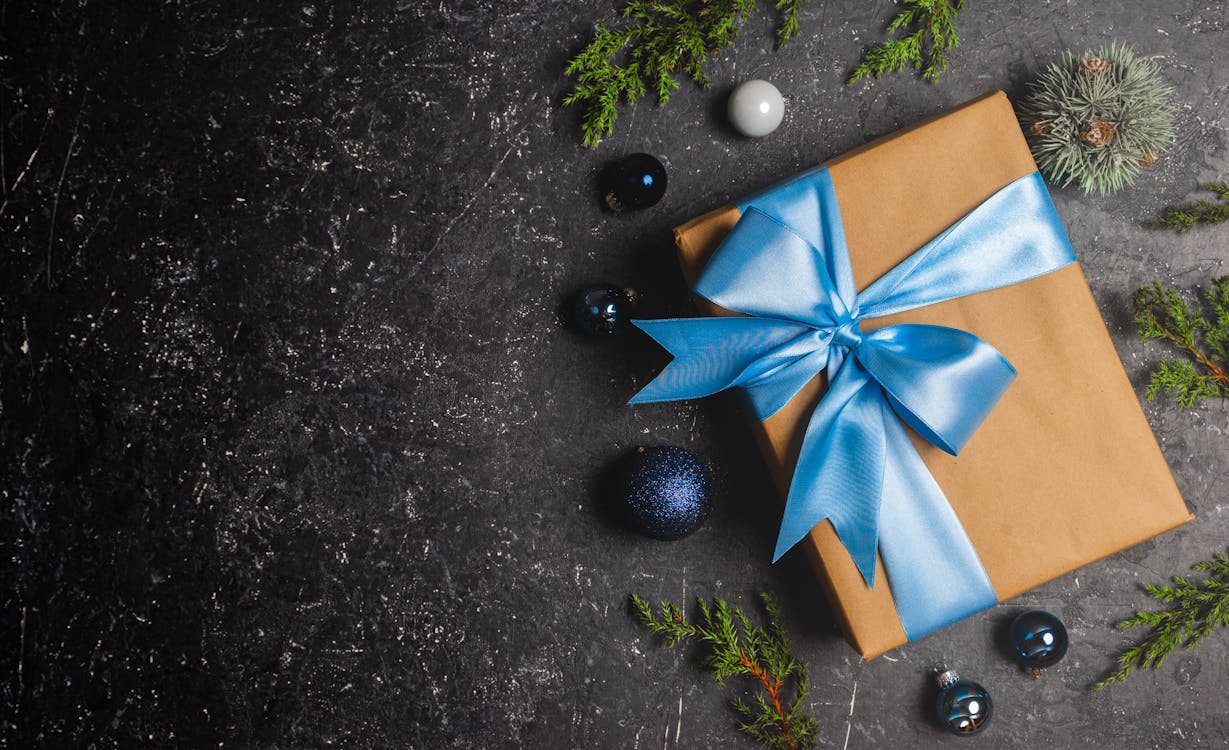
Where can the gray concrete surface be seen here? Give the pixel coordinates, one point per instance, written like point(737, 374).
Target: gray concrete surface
point(298, 454)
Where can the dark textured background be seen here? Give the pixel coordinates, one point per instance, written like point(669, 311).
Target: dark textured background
point(297, 454)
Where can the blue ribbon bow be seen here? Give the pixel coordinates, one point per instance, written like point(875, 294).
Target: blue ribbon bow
point(786, 266)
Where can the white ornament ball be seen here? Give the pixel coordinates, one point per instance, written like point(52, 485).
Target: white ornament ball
point(756, 108)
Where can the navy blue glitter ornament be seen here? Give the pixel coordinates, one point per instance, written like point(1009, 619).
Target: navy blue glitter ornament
point(602, 310)
point(964, 707)
point(635, 181)
point(667, 492)
point(1039, 639)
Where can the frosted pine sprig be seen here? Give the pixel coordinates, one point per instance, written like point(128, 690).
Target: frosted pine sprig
point(1097, 120)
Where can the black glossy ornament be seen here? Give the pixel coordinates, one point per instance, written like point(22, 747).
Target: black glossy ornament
point(1038, 639)
point(964, 707)
point(602, 309)
point(667, 492)
point(635, 181)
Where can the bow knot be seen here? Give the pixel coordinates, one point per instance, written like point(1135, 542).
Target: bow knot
point(847, 335)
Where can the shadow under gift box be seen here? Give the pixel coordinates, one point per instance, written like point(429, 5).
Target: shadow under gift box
point(1065, 470)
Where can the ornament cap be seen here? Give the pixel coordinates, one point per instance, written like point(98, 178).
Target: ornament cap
point(947, 678)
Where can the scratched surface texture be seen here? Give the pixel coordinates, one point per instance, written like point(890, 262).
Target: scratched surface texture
point(298, 454)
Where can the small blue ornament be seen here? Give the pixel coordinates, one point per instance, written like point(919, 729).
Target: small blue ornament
point(602, 309)
point(1039, 639)
point(667, 492)
point(964, 707)
point(633, 182)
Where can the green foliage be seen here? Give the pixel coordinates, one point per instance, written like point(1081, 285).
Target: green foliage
point(1196, 609)
point(738, 648)
point(1127, 95)
point(930, 32)
point(789, 27)
point(657, 40)
point(1184, 218)
point(1162, 313)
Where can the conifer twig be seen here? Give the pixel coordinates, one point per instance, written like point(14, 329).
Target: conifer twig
point(1162, 313)
point(789, 27)
point(655, 41)
point(1184, 218)
point(930, 31)
point(1197, 608)
point(738, 648)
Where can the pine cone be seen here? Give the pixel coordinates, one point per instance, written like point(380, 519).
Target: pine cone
point(1039, 127)
point(1094, 66)
point(1098, 133)
point(1149, 158)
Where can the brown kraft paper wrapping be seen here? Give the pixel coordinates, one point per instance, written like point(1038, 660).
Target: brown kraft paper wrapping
point(1068, 440)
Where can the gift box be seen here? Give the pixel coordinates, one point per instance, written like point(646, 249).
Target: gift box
point(1063, 469)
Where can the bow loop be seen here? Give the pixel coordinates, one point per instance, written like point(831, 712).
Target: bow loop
point(942, 382)
point(742, 275)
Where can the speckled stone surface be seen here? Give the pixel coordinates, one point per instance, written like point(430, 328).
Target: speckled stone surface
point(297, 452)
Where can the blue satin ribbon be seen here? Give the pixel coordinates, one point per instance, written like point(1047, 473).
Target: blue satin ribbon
point(785, 265)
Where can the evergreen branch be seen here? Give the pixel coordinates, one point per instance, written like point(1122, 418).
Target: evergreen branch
point(789, 27)
point(1184, 218)
point(1162, 313)
point(656, 41)
point(932, 33)
point(738, 648)
point(1197, 608)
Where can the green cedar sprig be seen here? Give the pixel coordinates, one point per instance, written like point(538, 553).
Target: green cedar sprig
point(789, 27)
point(1162, 313)
point(1184, 218)
point(738, 648)
point(930, 32)
point(657, 40)
point(1197, 608)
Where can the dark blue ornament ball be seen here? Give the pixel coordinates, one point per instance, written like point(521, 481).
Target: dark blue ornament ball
point(964, 707)
point(1039, 639)
point(667, 492)
point(635, 181)
point(602, 309)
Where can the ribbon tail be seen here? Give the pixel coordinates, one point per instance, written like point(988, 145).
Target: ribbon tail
point(936, 576)
point(712, 354)
point(807, 203)
point(840, 469)
point(770, 359)
point(744, 274)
